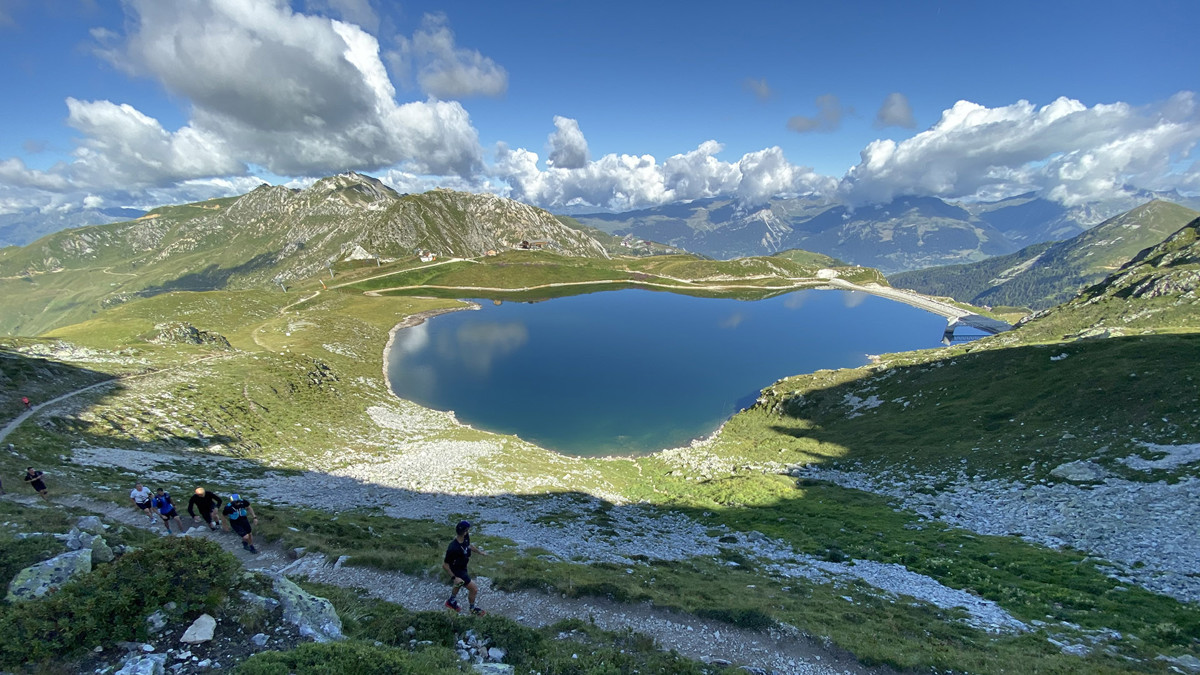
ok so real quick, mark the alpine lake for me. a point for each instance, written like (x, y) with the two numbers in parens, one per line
(636, 371)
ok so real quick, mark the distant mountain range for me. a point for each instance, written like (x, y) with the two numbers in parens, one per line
(270, 235)
(1046, 274)
(28, 225)
(906, 234)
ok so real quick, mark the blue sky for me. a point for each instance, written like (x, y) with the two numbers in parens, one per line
(637, 103)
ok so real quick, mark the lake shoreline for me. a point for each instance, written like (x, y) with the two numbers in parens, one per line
(416, 320)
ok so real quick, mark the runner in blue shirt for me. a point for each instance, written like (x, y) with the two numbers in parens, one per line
(241, 515)
(166, 510)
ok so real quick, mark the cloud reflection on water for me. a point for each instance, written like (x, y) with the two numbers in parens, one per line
(480, 343)
(851, 299)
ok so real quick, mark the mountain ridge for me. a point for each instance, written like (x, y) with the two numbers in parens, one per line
(1045, 274)
(268, 236)
(905, 234)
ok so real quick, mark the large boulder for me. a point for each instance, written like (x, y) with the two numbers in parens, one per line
(37, 580)
(314, 616)
(1080, 471)
(101, 551)
(91, 524)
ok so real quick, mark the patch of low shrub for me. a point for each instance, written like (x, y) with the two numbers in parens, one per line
(352, 656)
(111, 603)
(752, 619)
(17, 554)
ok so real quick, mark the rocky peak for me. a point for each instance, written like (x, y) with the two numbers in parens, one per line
(352, 188)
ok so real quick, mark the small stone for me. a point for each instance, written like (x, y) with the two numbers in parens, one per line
(201, 630)
(157, 621)
(496, 654)
(260, 640)
(147, 648)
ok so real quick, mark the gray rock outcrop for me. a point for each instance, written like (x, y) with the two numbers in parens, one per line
(314, 616)
(143, 664)
(178, 332)
(91, 525)
(1080, 471)
(494, 668)
(101, 551)
(38, 580)
(156, 622)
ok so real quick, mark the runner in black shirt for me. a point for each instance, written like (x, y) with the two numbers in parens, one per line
(458, 554)
(34, 478)
(208, 503)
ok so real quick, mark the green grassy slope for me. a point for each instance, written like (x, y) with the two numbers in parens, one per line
(1155, 292)
(519, 270)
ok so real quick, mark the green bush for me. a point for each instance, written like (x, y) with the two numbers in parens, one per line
(352, 656)
(752, 619)
(17, 554)
(111, 603)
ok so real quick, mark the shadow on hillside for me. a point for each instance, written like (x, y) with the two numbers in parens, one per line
(38, 379)
(994, 411)
(211, 278)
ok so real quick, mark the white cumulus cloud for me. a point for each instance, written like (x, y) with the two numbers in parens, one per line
(623, 182)
(568, 147)
(1067, 151)
(445, 70)
(266, 86)
(119, 141)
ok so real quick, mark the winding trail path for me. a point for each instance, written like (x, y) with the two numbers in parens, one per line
(784, 651)
(33, 409)
(16, 421)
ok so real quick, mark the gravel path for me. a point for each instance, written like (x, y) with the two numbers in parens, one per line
(781, 651)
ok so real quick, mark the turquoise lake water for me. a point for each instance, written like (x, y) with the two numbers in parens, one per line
(635, 371)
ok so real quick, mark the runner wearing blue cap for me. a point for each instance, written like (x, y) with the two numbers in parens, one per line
(241, 515)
